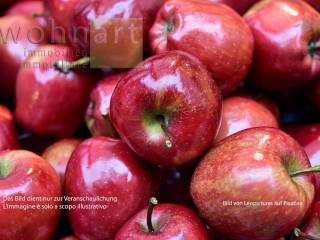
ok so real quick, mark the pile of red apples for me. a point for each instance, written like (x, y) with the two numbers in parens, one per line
(215, 135)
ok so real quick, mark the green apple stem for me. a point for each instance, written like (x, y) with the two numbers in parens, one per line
(152, 203)
(314, 169)
(5, 168)
(298, 233)
(65, 66)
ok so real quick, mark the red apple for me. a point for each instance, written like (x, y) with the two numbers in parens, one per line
(239, 113)
(309, 137)
(86, 12)
(8, 137)
(59, 153)
(167, 109)
(29, 196)
(315, 95)
(22, 35)
(51, 100)
(251, 185)
(105, 168)
(98, 112)
(32, 8)
(286, 52)
(213, 33)
(60, 17)
(163, 222)
(310, 229)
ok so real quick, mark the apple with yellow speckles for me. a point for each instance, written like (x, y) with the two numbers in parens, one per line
(253, 185)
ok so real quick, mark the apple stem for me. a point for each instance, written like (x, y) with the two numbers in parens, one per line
(314, 169)
(152, 203)
(298, 233)
(65, 66)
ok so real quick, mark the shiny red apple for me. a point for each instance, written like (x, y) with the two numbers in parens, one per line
(8, 136)
(310, 229)
(119, 185)
(309, 137)
(22, 35)
(98, 112)
(84, 13)
(253, 185)
(30, 194)
(239, 113)
(213, 33)
(51, 100)
(286, 53)
(167, 109)
(59, 153)
(163, 222)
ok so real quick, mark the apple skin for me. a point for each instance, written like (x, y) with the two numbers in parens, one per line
(167, 91)
(240, 6)
(213, 33)
(69, 238)
(282, 55)
(8, 136)
(98, 112)
(88, 11)
(60, 17)
(26, 174)
(28, 8)
(253, 166)
(59, 153)
(102, 166)
(314, 3)
(171, 221)
(311, 226)
(309, 138)
(43, 102)
(14, 52)
(239, 113)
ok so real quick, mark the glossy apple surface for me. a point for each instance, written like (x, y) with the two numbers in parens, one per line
(171, 221)
(311, 226)
(58, 155)
(98, 112)
(87, 12)
(213, 33)
(22, 36)
(309, 137)
(8, 136)
(104, 167)
(243, 189)
(153, 102)
(24, 174)
(239, 113)
(48, 101)
(286, 53)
